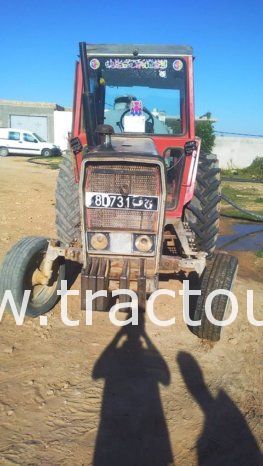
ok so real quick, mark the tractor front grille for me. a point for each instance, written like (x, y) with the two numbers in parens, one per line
(115, 177)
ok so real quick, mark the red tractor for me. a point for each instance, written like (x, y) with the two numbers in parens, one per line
(136, 196)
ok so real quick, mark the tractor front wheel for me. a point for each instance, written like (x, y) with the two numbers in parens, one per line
(17, 275)
(219, 274)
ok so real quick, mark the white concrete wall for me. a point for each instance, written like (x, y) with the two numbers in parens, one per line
(62, 126)
(237, 151)
(234, 151)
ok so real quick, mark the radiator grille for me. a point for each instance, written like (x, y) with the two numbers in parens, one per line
(112, 178)
(140, 180)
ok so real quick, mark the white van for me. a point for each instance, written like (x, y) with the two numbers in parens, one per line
(21, 141)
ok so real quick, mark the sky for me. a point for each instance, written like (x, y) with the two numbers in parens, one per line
(39, 46)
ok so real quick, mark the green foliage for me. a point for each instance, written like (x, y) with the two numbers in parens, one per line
(253, 171)
(244, 193)
(260, 253)
(205, 130)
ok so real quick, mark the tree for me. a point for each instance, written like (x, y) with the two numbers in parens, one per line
(205, 130)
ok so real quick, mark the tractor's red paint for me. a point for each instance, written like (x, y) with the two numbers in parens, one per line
(162, 143)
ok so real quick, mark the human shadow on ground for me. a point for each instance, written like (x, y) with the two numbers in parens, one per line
(226, 439)
(132, 429)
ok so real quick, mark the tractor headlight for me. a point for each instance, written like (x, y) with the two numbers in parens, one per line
(99, 241)
(144, 243)
(121, 243)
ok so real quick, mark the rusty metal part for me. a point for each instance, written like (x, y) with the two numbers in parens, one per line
(141, 287)
(194, 264)
(38, 278)
(73, 254)
(125, 281)
(103, 284)
(152, 283)
(43, 275)
(92, 278)
(84, 285)
(95, 278)
(176, 264)
(169, 236)
(183, 234)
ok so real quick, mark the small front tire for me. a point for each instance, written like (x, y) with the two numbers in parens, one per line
(219, 274)
(46, 152)
(4, 152)
(16, 274)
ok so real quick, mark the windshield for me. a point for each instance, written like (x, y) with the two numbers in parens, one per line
(39, 137)
(144, 95)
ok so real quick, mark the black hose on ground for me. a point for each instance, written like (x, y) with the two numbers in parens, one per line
(255, 217)
(241, 180)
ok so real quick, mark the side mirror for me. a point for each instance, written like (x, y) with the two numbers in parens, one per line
(189, 147)
(76, 145)
(36, 140)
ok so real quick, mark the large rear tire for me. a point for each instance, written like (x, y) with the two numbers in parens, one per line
(220, 273)
(16, 275)
(202, 212)
(67, 203)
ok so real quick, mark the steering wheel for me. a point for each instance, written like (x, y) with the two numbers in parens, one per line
(149, 124)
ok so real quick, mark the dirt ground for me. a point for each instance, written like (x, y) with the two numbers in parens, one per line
(96, 395)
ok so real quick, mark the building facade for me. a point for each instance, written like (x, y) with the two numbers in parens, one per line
(51, 121)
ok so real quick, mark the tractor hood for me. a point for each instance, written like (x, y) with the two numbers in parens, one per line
(134, 145)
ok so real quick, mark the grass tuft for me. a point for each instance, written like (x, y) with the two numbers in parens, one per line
(52, 162)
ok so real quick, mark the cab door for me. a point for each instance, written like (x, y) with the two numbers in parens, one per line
(14, 142)
(30, 144)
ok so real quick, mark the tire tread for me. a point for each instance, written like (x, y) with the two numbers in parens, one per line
(67, 203)
(203, 211)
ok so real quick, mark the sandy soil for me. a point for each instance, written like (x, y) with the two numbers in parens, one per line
(98, 396)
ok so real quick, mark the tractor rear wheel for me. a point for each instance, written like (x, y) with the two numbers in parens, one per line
(202, 212)
(67, 203)
(17, 275)
(219, 274)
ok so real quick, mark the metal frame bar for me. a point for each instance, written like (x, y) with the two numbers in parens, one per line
(87, 97)
(145, 55)
(138, 50)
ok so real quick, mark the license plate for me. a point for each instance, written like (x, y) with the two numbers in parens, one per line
(118, 201)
